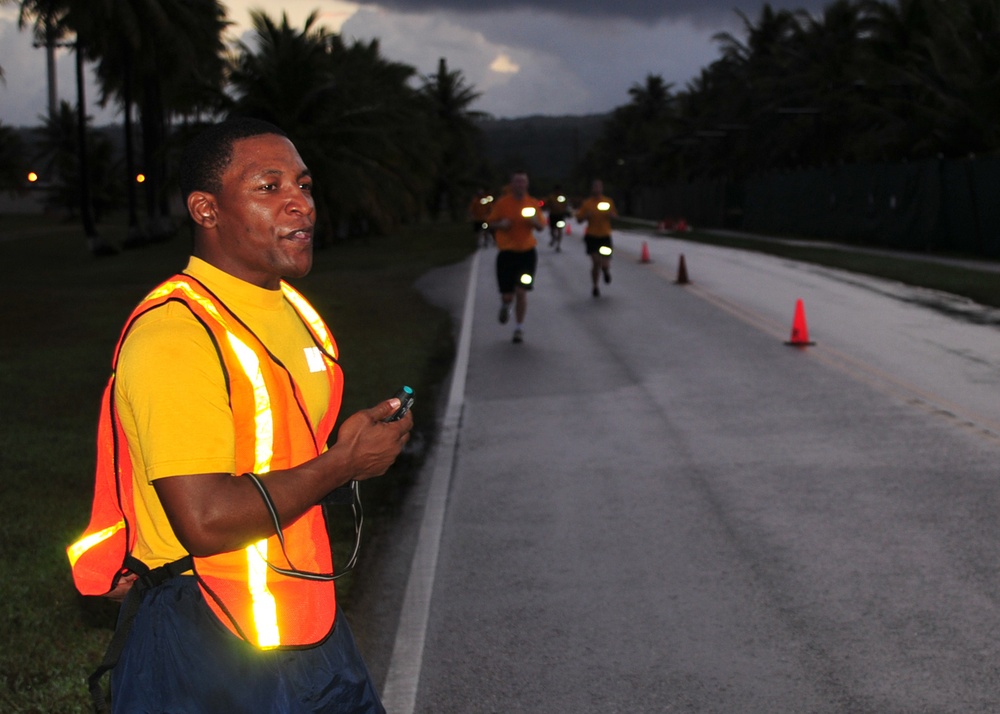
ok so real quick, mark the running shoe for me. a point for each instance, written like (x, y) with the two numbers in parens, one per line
(607, 275)
(596, 292)
(518, 336)
(504, 313)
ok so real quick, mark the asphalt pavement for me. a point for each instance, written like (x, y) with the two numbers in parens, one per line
(654, 504)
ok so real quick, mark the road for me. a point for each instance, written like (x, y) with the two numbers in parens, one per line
(656, 505)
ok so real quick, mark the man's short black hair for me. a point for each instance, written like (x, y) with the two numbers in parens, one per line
(209, 153)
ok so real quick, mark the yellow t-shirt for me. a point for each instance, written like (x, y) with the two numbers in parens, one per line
(172, 399)
(521, 234)
(597, 216)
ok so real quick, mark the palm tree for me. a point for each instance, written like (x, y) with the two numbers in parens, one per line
(897, 47)
(457, 135)
(764, 38)
(829, 52)
(58, 157)
(49, 29)
(46, 19)
(357, 123)
(628, 152)
(862, 81)
(652, 100)
(751, 82)
(97, 246)
(166, 57)
(956, 70)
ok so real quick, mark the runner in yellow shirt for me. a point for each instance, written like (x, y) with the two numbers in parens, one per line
(514, 219)
(596, 211)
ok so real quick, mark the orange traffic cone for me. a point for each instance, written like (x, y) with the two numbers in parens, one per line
(800, 331)
(682, 272)
(645, 253)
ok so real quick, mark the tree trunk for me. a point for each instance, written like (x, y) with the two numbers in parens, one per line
(50, 67)
(86, 211)
(97, 246)
(153, 142)
(136, 236)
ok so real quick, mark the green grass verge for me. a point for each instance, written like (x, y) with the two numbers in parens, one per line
(62, 313)
(982, 286)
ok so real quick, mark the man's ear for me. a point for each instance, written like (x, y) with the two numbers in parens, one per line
(201, 205)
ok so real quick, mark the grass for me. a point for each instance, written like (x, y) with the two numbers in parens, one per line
(981, 286)
(62, 313)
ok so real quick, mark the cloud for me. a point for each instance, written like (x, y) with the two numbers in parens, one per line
(540, 57)
(565, 65)
(695, 11)
(504, 65)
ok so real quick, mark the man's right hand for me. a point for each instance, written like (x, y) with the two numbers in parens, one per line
(214, 513)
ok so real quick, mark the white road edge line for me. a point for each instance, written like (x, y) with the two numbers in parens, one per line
(400, 691)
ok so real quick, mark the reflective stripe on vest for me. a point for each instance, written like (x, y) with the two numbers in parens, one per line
(76, 550)
(273, 610)
(265, 610)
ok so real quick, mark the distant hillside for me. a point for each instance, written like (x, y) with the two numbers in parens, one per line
(547, 147)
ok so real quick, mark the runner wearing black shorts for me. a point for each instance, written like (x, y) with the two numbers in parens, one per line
(595, 243)
(596, 211)
(516, 269)
(515, 217)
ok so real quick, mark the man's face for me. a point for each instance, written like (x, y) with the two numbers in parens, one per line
(519, 185)
(264, 213)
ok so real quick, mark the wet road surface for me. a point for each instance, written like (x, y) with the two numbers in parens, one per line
(653, 504)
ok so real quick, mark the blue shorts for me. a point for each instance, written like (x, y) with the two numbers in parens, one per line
(180, 658)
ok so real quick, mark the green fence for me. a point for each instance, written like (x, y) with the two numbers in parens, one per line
(933, 205)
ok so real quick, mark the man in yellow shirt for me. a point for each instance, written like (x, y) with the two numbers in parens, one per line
(514, 219)
(192, 420)
(596, 211)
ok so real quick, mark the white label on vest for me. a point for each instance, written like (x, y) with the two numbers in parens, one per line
(314, 358)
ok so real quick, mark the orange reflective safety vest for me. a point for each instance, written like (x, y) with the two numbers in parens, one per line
(262, 606)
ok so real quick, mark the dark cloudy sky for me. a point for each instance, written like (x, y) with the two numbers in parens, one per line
(549, 57)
